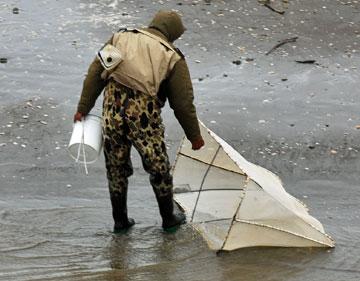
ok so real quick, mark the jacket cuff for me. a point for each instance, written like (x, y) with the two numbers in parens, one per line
(82, 109)
(194, 138)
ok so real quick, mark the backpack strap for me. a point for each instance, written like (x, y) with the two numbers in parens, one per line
(157, 38)
(123, 29)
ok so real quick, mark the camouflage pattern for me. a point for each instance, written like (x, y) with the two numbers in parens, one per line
(132, 118)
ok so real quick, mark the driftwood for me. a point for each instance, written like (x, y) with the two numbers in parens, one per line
(273, 9)
(290, 40)
(306, 61)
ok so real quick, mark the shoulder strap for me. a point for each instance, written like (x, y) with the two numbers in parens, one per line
(180, 53)
(157, 38)
(122, 29)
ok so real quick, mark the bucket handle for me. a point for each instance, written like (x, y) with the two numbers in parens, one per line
(82, 144)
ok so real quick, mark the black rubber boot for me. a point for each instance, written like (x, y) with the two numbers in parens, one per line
(171, 218)
(119, 211)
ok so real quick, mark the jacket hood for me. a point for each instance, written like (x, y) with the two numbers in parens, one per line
(168, 23)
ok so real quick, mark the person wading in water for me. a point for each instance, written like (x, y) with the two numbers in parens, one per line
(151, 70)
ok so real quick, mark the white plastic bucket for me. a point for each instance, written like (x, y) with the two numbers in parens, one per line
(86, 140)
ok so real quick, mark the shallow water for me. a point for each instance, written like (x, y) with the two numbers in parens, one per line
(55, 222)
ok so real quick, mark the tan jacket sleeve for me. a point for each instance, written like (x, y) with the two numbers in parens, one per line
(181, 99)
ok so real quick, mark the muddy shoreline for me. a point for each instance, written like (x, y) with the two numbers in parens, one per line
(298, 120)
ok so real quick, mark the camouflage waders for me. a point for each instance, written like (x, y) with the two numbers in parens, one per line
(133, 118)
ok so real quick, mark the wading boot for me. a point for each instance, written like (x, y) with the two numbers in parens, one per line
(171, 218)
(119, 211)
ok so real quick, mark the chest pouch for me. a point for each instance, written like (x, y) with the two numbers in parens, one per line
(110, 57)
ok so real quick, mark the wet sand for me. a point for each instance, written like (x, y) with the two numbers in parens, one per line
(297, 120)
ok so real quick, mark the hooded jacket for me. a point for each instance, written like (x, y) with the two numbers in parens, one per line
(177, 86)
(146, 60)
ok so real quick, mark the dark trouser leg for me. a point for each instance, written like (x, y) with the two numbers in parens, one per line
(118, 172)
(164, 197)
(119, 212)
(151, 146)
(117, 157)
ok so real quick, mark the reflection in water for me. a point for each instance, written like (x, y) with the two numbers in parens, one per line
(183, 256)
(156, 255)
(270, 263)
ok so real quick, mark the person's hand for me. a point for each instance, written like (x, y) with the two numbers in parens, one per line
(197, 143)
(78, 116)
